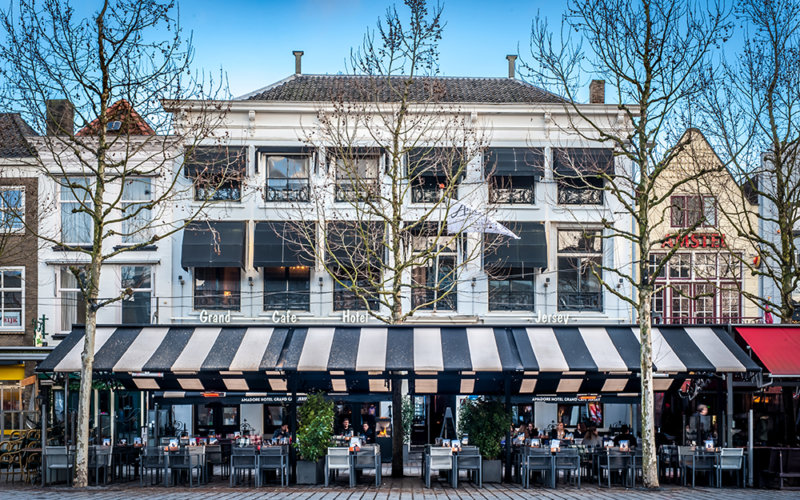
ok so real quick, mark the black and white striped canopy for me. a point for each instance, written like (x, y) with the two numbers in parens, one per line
(438, 359)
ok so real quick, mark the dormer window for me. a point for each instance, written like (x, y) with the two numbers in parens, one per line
(114, 126)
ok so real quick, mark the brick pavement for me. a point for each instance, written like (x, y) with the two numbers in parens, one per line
(391, 489)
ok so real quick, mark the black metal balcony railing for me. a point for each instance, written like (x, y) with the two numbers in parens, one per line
(510, 301)
(518, 195)
(425, 195)
(658, 319)
(356, 190)
(580, 301)
(297, 192)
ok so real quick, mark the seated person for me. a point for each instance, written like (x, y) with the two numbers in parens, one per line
(558, 432)
(625, 435)
(282, 432)
(347, 431)
(591, 439)
(523, 429)
(367, 434)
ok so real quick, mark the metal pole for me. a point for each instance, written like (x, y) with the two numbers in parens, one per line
(293, 430)
(750, 447)
(66, 411)
(508, 431)
(729, 409)
(45, 394)
(112, 415)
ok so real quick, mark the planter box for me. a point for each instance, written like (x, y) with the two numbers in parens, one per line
(310, 472)
(492, 471)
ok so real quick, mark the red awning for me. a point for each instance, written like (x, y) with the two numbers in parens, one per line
(777, 348)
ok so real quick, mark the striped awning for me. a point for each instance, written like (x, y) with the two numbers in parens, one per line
(437, 359)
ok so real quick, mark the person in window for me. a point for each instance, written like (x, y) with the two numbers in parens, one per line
(347, 431)
(367, 434)
(592, 439)
(558, 432)
(282, 432)
(625, 435)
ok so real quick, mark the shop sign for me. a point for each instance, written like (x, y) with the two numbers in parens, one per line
(272, 399)
(580, 398)
(695, 240)
(353, 317)
(550, 318)
(284, 317)
(12, 318)
(210, 317)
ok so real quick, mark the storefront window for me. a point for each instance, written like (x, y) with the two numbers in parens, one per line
(286, 288)
(360, 294)
(230, 415)
(217, 288)
(579, 259)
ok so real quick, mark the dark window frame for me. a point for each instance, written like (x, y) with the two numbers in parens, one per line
(512, 300)
(287, 298)
(581, 258)
(345, 189)
(345, 299)
(502, 189)
(680, 212)
(206, 299)
(302, 194)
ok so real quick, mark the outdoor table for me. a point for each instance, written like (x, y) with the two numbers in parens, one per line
(628, 456)
(453, 457)
(168, 455)
(123, 457)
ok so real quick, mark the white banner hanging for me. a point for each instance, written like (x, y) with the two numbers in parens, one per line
(464, 219)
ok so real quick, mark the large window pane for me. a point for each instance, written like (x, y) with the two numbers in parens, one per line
(217, 288)
(287, 178)
(11, 313)
(136, 218)
(511, 291)
(12, 210)
(356, 178)
(579, 260)
(71, 301)
(287, 288)
(76, 227)
(136, 308)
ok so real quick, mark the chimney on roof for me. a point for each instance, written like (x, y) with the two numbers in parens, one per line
(597, 92)
(60, 117)
(298, 54)
(511, 65)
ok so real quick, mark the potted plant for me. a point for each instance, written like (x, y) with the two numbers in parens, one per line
(314, 431)
(408, 419)
(485, 421)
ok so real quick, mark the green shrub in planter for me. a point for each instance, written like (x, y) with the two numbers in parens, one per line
(485, 422)
(315, 427)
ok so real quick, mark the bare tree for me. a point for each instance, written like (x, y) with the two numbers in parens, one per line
(649, 51)
(750, 111)
(396, 153)
(117, 171)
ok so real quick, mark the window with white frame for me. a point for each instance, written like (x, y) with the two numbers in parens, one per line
(12, 209)
(288, 177)
(580, 255)
(433, 286)
(76, 223)
(12, 302)
(71, 302)
(137, 303)
(136, 195)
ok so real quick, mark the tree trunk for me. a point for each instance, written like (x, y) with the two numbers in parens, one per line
(397, 428)
(648, 441)
(84, 405)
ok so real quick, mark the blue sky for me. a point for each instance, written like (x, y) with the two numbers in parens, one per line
(253, 40)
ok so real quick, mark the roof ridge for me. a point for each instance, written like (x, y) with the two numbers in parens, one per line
(271, 86)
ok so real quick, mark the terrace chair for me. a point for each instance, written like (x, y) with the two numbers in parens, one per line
(730, 459)
(273, 458)
(243, 459)
(469, 459)
(100, 460)
(701, 462)
(214, 457)
(637, 465)
(685, 457)
(614, 461)
(438, 459)
(10, 464)
(536, 460)
(189, 459)
(568, 460)
(668, 462)
(153, 460)
(369, 457)
(59, 458)
(338, 458)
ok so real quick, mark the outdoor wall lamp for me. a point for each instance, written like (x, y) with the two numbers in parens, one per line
(320, 281)
(546, 282)
(180, 278)
(250, 280)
